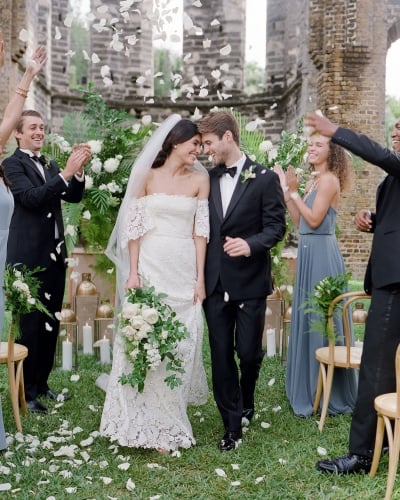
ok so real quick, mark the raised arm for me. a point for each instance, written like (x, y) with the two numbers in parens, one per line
(15, 106)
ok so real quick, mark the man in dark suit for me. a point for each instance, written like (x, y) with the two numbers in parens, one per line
(247, 218)
(382, 281)
(36, 238)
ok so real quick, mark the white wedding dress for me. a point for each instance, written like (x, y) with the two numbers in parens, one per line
(157, 417)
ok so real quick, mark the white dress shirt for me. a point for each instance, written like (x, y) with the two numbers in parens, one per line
(227, 184)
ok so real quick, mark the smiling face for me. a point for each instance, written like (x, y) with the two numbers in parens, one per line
(189, 150)
(31, 135)
(318, 149)
(215, 147)
(396, 137)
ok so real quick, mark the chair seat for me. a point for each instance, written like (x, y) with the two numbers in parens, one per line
(340, 356)
(385, 404)
(20, 352)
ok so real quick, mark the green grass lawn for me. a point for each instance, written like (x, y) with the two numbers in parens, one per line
(60, 455)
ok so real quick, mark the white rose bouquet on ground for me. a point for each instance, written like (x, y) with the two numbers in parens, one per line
(150, 332)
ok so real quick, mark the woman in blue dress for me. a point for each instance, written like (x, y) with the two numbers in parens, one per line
(318, 256)
(11, 115)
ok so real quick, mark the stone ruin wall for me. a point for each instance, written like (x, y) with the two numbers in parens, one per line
(321, 54)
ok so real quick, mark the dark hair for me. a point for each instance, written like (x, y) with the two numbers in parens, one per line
(183, 131)
(3, 176)
(218, 122)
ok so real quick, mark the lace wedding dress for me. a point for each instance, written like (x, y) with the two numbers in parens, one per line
(157, 417)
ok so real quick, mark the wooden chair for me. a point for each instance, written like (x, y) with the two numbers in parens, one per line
(13, 355)
(336, 356)
(387, 407)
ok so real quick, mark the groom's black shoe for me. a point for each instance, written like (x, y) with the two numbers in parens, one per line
(247, 415)
(230, 440)
(346, 464)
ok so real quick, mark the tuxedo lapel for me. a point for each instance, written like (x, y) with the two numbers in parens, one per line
(216, 195)
(29, 163)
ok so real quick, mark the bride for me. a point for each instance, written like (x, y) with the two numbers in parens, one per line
(160, 240)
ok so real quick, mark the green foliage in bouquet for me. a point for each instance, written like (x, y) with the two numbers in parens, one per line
(324, 292)
(115, 140)
(21, 289)
(150, 332)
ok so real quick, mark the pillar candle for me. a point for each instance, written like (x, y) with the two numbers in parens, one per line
(271, 345)
(67, 355)
(87, 339)
(105, 350)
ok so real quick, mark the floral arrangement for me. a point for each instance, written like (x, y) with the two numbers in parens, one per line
(115, 140)
(21, 289)
(324, 292)
(150, 332)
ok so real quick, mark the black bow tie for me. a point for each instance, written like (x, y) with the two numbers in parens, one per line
(223, 169)
(42, 160)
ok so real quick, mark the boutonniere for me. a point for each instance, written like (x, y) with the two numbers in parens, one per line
(248, 173)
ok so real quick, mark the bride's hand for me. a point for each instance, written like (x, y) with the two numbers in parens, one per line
(133, 281)
(199, 292)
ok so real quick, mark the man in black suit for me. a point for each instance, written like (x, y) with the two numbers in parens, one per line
(247, 218)
(36, 238)
(382, 281)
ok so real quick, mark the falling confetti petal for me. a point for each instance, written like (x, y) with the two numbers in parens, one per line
(57, 35)
(225, 51)
(23, 35)
(215, 22)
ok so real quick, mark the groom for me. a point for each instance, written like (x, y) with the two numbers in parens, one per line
(247, 218)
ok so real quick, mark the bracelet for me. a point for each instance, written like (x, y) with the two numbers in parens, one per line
(21, 92)
(295, 195)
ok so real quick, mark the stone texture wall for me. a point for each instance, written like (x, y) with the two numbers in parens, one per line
(326, 54)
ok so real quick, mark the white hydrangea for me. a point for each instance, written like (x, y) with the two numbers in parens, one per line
(95, 165)
(95, 146)
(88, 182)
(111, 165)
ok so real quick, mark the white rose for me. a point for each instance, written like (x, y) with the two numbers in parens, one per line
(129, 310)
(111, 165)
(95, 146)
(265, 146)
(137, 322)
(88, 182)
(150, 315)
(129, 332)
(95, 165)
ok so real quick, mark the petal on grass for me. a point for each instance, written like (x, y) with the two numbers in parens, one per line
(271, 382)
(259, 479)
(130, 485)
(106, 480)
(265, 425)
(74, 378)
(321, 451)
(235, 466)
(5, 487)
(124, 466)
(220, 472)
(235, 483)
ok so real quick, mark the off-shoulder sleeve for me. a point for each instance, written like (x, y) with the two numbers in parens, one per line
(201, 220)
(137, 221)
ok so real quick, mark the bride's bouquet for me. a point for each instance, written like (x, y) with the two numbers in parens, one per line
(150, 332)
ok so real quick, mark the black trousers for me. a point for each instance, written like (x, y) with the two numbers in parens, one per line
(39, 332)
(234, 326)
(377, 370)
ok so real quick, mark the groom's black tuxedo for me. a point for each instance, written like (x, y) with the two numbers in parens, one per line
(32, 241)
(238, 286)
(382, 281)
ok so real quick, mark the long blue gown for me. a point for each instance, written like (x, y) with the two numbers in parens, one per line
(6, 211)
(318, 256)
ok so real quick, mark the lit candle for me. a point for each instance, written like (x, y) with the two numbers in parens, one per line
(271, 345)
(105, 350)
(87, 339)
(67, 355)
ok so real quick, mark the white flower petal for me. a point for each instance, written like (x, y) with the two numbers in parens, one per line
(271, 382)
(225, 51)
(282, 461)
(321, 451)
(106, 480)
(124, 466)
(276, 409)
(57, 35)
(48, 327)
(235, 483)
(74, 378)
(23, 35)
(130, 485)
(5, 487)
(86, 442)
(265, 425)
(220, 472)
(259, 479)
(235, 466)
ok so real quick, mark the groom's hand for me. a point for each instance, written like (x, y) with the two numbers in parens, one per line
(236, 247)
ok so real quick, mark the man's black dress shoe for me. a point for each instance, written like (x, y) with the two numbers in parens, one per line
(35, 407)
(230, 440)
(55, 396)
(346, 464)
(247, 415)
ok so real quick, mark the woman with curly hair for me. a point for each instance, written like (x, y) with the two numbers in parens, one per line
(318, 256)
